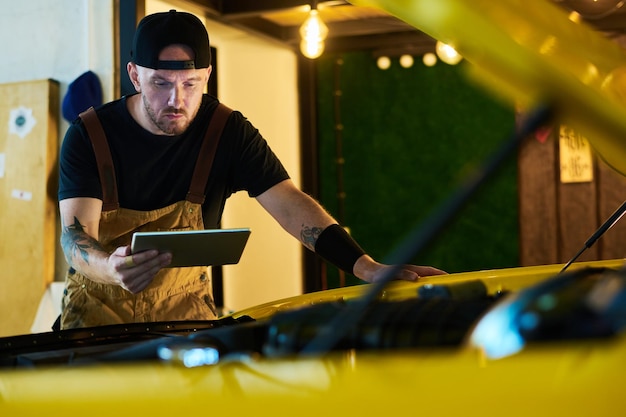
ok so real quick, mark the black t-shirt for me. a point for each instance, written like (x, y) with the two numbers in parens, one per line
(154, 171)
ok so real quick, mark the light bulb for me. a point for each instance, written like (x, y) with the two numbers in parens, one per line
(311, 49)
(447, 53)
(429, 59)
(313, 32)
(383, 62)
(406, 61)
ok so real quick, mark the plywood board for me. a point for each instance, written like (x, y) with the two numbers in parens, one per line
(28, 159)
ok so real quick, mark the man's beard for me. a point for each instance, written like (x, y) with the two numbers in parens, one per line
(169, 128)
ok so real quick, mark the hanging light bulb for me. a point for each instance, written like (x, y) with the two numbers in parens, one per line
(447, 53)
(313, 32)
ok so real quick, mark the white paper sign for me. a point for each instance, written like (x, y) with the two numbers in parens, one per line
(22, 195)
(21, 121)
(2, 162)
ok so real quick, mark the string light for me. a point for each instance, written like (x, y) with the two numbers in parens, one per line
(447, 53)
(429, 59)
(406, 61)
(383, 62)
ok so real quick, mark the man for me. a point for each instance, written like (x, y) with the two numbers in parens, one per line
(141, 163)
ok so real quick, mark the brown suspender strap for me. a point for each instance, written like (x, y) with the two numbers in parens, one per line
(207, 154)
(106, 170)
(201, 171)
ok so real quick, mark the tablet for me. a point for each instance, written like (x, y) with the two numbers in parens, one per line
(211, 247)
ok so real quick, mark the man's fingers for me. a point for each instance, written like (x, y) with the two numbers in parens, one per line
(128, 261)
(145, 266)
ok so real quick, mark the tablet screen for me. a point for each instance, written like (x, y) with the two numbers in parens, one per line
(195, 247)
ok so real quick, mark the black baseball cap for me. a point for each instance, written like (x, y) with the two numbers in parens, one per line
(156, 31)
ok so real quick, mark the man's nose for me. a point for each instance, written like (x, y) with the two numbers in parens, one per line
(176, 97)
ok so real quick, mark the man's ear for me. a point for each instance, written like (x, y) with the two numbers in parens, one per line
(133, 74)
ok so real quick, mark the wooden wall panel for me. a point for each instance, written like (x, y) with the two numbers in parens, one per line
(537, 186)
(578, 219)
(611, 195)
(557, 218)
(28, 159)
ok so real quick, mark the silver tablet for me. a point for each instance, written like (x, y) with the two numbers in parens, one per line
(195, 247)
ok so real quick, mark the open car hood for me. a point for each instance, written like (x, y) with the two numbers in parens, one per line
(531, 53)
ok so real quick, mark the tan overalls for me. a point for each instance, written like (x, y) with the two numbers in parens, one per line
(175, 293)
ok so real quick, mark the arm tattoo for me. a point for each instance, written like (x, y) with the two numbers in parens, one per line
(75, 241)
(309, 235)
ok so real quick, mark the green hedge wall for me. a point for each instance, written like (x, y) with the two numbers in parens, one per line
(409, 137)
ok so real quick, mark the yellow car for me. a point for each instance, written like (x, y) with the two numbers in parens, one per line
(544, 340)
